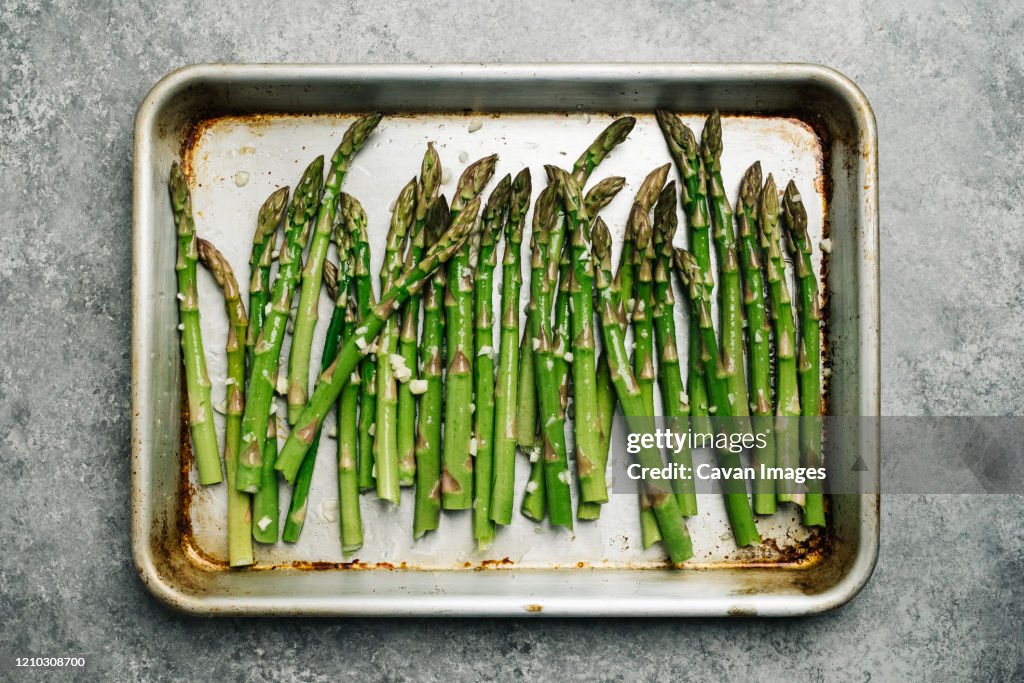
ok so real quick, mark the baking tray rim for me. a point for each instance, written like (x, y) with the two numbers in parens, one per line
(839, 593)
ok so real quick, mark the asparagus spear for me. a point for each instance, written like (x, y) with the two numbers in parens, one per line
(385, 436)
(266, 500)
(335, 331)
(693, 195)
(426, 194)
(312, 274)
(809, 358)
(457, 469)
(197, 382)
(590, 465)
(787, 397)
(643, 345)
(544, 216)
(239, 538)
(605, 412)
(741, 519)
(428, 438)
(264, 241)
(596, 199)
(758, 336)
(626, 291)
(263, 374)
(643, 327)
(731, 299)
(556, 468)
(355, 219)
(663, 504)
(526, 397)
(624, 288)
(610, 138)
(334, 378)
(494, 218)
(506, 391)
(674, 401)
(351, 526)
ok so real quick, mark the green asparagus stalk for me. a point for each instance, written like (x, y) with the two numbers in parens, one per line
(625, 276)
(351, 522)
(506, 390)
(787, 395)
(312, 275)
(263, 374)
(526, 398)
(596, 199)
(457, 469)
(239, 538)
(643, 346)
(426, 194)
(560, 329)
(335, 330)
(758, 337)
(348, 479)
(741, 519)
(556, 467)
(385, 436)
(730, 294)
(627, 293)
(534, 503)
(428, 437)
(264, 242)
(261, 259)
(693, 195)
(675, 404)
(643, 326)
(809, 358)
(605, 412)
(610, 138)
(355, 219)
(334, 378)
(494, 219)
(266, 501)
(663, 504)
(590, 466)
(197, 381)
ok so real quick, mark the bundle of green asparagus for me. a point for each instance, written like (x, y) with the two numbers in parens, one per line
(420, 399)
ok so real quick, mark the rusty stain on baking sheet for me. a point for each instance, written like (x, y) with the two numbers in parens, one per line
(788, 553)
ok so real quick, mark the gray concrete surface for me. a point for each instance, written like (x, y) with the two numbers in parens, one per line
(946, 81)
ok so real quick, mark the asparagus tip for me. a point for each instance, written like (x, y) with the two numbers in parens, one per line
(794, 211)
(770, 197)
(750, 184)
(711, 136)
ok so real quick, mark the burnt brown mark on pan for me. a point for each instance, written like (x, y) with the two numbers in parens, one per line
(188, 545)
(178, 541)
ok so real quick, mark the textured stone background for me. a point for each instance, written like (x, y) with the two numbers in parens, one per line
(946, 83)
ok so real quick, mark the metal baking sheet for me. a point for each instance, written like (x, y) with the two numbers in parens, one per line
(266, 122)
